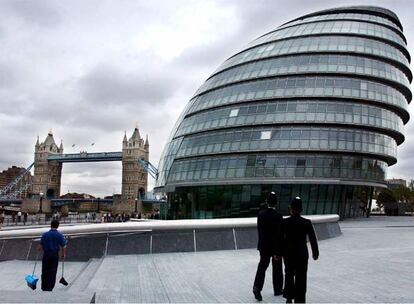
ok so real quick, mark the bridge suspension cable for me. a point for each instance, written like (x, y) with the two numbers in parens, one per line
(6, 191)
(150, 168)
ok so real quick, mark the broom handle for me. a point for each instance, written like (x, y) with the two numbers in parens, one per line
(63, 265)
(34, 268)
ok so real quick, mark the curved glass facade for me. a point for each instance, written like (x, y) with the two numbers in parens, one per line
(359, 27)
(293, 112)
(323, 44)
(310, 64)
(315, 108)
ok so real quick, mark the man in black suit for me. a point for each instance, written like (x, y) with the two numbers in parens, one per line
(268, 226)
(295, 229)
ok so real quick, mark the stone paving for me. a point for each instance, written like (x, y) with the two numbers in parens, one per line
(372, 261)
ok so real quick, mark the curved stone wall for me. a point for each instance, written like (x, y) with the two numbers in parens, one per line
(145, 237)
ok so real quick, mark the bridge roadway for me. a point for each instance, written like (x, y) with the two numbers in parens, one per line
(86, 157)
(371, 262)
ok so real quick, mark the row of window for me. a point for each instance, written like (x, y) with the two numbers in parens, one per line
(289, 166)
(166, 160)
(291, 112)
(286, 138)
(339, 16)
(140, 177)
(335, 27)
(300, 87)
(358, 45)
(306, 64)
(244, 200)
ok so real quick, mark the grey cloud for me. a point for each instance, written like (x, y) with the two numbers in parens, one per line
(207, 56)
(258, 18)
(108, 85)
(7, 76)
(42, 13)
(88, 88)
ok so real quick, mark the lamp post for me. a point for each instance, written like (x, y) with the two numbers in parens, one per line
(136, 205)
(40, 200)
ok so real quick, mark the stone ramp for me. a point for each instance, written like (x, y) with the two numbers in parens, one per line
(12, 274)
(85, 276)
(362, 266)
(371, 265)
(128, 278)
(36, 296)
(15, 290)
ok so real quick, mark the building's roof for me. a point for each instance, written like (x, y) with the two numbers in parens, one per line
(136, 134)
(49, 141)
(374, 10)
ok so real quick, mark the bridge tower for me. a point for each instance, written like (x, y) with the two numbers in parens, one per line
(134, 177)
(47, 174)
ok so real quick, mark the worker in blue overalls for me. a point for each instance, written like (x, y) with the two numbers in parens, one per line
(52, 242)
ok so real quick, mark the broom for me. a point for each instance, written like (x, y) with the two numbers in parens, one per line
(62, 279)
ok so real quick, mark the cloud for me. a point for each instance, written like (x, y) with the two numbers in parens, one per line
(107, 85)
(40, 13)
(7, 77)
(92, 69)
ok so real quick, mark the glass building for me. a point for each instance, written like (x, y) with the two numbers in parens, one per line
(315, 108)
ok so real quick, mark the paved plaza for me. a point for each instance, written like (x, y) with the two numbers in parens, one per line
(372, 261)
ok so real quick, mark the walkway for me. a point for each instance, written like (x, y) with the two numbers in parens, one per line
(370, 262)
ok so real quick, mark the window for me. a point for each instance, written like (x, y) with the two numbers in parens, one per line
(300, 163)
(234, 113)
(266, 135)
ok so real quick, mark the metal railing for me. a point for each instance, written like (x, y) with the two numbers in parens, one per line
(150, 168)
(13, 183)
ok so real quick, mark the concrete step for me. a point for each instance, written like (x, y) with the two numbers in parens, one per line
(85, 276)
(38, 296)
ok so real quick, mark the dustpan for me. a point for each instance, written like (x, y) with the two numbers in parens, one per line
(31, 279)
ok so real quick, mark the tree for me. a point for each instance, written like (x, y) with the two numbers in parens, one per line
(403, 194)
(386, 198)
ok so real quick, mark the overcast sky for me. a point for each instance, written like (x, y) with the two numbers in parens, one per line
(90, 70)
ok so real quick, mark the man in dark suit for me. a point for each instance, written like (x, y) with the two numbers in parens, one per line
(268, 226)
(295, 229)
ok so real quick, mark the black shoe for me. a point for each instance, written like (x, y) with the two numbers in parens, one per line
(257, 294)
(288, 300)
(278, 293)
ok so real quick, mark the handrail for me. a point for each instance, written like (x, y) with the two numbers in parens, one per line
(155, 225)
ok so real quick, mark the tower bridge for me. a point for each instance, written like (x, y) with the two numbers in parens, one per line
(48, 163)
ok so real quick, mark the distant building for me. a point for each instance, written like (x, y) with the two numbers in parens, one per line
(82, 202)
(75, 195)
(395, 183)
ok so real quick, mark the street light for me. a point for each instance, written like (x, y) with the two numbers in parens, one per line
(41, 199)
(136, 205)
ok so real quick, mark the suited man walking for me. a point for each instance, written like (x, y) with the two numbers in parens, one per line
(295, 229)
(268, 226)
